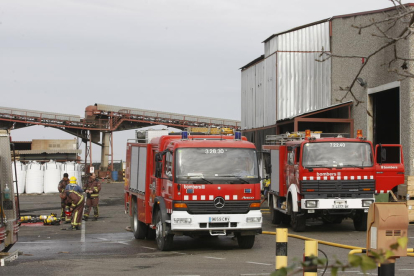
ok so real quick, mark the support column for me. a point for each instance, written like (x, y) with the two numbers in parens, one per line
(105, 150)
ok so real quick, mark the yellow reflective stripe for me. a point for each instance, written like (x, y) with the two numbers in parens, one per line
(75, 217)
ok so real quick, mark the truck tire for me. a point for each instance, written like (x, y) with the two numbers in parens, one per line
(138, 227)
(246, 242)
(360, 221)
(274, 214)
(164, 242)
(297, 220)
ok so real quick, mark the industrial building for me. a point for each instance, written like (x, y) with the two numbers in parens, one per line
(288, 88)
(44, 150)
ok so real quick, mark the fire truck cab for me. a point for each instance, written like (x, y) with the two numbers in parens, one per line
(193, 185)
(330, 178)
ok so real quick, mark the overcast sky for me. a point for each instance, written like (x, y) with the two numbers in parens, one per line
(174, 56)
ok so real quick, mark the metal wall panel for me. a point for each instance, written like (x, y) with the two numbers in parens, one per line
(142, 169)
(270, 91)
(311, 38)
(259, 95)
(291, 81)
(248, 97)
(271, 46)
(303, 84)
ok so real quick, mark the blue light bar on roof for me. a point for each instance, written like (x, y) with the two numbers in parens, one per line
(184, 135)
(237, 135)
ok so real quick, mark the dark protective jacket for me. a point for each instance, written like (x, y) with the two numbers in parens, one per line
(73, 199)
(62, 184)
(95, 186)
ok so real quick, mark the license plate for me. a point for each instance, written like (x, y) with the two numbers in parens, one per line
(219, 219)
(340, 204)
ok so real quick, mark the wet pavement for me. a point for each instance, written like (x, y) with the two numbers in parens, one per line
(104, 247)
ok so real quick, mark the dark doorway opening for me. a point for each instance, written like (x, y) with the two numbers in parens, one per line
(386, 107)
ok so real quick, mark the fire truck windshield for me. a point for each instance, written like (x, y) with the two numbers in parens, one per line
(215, 165)
(337, 154)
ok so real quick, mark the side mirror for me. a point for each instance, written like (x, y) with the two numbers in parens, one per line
(383, 155)
(158, 169)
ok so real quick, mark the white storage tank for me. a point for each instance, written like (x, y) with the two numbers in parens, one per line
(52, 176)
(34, 178)
(72, 169)
(21, 176)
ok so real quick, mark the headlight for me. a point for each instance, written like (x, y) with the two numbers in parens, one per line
(311, 203)
(182, 220)
(367, 203)
(253, 219)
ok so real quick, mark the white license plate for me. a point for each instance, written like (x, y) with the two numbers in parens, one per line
(340, 204)
(219, 219)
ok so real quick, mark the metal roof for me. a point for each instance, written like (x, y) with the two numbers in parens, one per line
(50, 151)
(334, 17)
(252, 62)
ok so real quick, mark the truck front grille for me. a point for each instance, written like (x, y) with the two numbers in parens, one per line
(342, 189)
(207, 207)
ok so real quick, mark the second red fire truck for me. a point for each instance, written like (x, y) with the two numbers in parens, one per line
(193, 185)
(330, 178)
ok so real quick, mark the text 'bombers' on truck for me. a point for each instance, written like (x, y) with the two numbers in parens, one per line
(330, 178)
(193, 185)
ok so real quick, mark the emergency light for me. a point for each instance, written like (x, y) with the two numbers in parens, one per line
(237, 135)
(184, 135)
(359, 133)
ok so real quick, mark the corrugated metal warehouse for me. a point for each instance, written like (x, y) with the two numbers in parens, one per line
(287, 89)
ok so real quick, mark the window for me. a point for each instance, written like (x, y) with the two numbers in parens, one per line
(168, 164)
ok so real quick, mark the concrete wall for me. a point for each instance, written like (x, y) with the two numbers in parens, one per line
(345, 40)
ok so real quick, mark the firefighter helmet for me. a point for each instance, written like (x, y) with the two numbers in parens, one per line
(73, 180)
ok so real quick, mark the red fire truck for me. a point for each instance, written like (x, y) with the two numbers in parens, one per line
(330, 178)
(193, 185)
(9, 211)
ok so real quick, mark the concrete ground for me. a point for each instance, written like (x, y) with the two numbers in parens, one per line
(104, 247)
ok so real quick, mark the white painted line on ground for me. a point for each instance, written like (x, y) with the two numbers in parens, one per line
(178, 252)
(121, 242)
(37, 242)
(102, 239)
(148, 247)
(258, 263)
(254, 274)
(215, 258)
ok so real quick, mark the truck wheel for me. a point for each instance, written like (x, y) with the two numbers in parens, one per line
(275, 214)
(245, 242)
(297, 220)
(138, 227)
(150, 234)
(360, 221)
(164, 241)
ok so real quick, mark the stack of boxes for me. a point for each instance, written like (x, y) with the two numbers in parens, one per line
(406, 193)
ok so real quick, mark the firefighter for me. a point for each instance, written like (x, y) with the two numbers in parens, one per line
(92, 189)
(266, 189)
(61, 188)
(76, 202)
(73, 185)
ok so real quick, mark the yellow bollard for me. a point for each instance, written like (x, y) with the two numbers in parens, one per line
(281, 247)
(311, 252)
